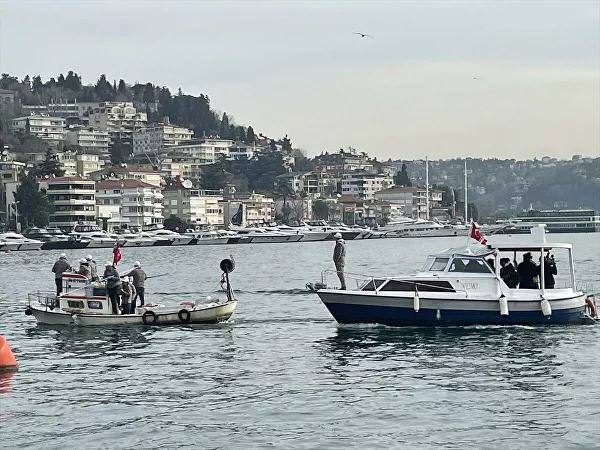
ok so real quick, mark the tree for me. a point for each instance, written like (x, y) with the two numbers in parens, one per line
(103, 89)
(37, 85)
(402, 178)
(119, 152)
(298, 210)
(61, 81)
(320, 210)
(175, 223)
(50, 166)
(224, 127)
(73, 82)
(149, 96)
(250, 137)
(286, 144)
(34, 207)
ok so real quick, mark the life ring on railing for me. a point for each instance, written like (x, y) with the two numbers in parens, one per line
(149, 318)
(591, 302)
(184, 315)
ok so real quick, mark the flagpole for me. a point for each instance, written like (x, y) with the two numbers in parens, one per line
(466, 201)
(427, 187)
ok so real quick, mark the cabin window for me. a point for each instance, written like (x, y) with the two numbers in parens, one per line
(75, 304)
(469, 265)
(439, 264)
(94, 304)
(427, 264)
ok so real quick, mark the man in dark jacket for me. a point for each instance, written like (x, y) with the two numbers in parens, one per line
(113, 285)
(549, 271)
(339, 258)
(528, 270)
(508, 273)
(60, 266)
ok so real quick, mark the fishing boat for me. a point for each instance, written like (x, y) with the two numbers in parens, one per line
(463, 286)
(86, 303)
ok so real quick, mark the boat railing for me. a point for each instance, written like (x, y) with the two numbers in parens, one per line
(48, 299)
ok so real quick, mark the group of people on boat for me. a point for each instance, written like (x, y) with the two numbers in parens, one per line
(527, 273)
(122, 290)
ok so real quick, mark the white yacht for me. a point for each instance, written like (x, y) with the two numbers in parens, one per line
(97, 237)
(320, 225)
(262, 236)
(307, 234)
(132, 237)
(14, 241)
(176, 239)
(212, 237)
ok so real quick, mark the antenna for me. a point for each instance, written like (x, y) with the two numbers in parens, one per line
(187, 184)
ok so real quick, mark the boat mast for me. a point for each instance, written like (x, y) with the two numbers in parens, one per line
(427, 188)
(466, 202)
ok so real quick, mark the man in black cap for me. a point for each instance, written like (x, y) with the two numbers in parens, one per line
(528, 270)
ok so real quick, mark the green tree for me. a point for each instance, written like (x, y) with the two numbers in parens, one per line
(149, 96)
(34, 207)
(402, 178)
(103, 89)
(175, 223)
(119, 152)
(473, 213)
(250, 137)
(320, 210)
(286, 144)
(73, 82)
(49, 167)
(224, 127)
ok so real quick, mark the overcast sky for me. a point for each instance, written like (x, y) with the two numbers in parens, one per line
(445, 79)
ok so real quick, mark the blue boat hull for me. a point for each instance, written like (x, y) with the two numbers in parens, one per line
(399, 316)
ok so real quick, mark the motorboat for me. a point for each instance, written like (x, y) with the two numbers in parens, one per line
(133, 237)
(54, 239)
(10, 241)
(212, 237)
(320, 225)
(307, 234)
(86, 303)
(176, 239)
(97, 237)
(257, 235)
(463, 286)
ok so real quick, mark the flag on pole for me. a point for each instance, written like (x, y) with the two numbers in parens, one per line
(117, 254)
(476, 234)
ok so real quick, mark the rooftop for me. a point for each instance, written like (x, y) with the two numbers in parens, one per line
(67, 179)
(129, 168)
(127, 183)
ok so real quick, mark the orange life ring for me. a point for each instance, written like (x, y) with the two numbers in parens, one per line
(591, 302)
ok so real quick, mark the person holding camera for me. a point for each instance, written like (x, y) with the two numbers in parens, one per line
(549, 271)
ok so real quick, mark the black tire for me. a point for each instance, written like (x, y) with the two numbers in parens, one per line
(184, 315)
(149, 318)
(227, 265)
(28, 312)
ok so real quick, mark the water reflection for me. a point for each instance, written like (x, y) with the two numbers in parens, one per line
(6, 382)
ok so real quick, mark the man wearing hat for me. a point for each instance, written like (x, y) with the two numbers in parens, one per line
(528, 270)
(113, 285)
(339, 258)
(139, 278)
(59, 267)
(84, 269)
(92, 266)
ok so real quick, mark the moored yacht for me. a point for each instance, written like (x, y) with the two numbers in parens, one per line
(97, 237)
(54, 239)
(212, 237)
(176, 239)
(10, 241)
(256, 235)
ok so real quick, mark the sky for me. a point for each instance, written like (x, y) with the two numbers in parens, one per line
(447, 79)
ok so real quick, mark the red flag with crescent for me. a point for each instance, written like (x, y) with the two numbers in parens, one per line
(476, 234)
(117, 254)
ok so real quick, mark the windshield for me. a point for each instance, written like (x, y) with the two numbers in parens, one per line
(439, 264)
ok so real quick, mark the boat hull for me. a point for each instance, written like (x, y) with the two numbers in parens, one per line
(64, 245)
(50, 317)
(394, 311)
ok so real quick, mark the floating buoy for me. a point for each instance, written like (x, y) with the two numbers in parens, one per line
(503, 306)
(8, 363)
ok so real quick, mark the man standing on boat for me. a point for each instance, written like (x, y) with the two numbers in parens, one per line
(508, 273)
(528, 270)
(339, 258)
(60, 266)
(139, 279)
(113, 285)
(92, 266)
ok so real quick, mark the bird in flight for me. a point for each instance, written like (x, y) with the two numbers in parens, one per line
(362, 34)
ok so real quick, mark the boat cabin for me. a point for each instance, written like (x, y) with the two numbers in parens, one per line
(81, 296)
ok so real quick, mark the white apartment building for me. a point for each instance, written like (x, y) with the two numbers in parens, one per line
(89, 140)
(74, 201)
(364, 184)
(125, 171)
(42, 127)
(87, 163)
(411, 201)
(71, 109)
(314, 184)
(10, 172)
(119, 119)
(198, 207)
(257, 208)
(128, 202)
(68, 163)
(158, 138)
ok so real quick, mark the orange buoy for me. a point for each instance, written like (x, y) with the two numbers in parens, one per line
(8, 363)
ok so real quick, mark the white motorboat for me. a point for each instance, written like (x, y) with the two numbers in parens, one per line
(176, 239)
(97, 237)
(320, 225)
(212, 237)
(465, 287)
(262, 236)
(132, 237)
(10, 241)
(308, 234)
(87, 304)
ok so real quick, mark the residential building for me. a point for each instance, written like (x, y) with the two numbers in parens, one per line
(157, 138)
(67, 109)
(74, 201)
(198, 207)
(10, 172)
(256, 208)
(128, 202)
(35, 110)
(240, 151)
(87, 163)
(337, 164)
(314, 184)
(119, 119)
(124, 171)
(43, 127)
(206, 151)
(68, 163)
(89, 140)
(411, 201)
(364, 184)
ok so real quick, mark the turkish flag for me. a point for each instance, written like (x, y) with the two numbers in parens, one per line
(476, 234)
(117, 254)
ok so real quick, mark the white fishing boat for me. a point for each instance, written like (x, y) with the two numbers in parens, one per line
(97, 237)
(464, 287)
(10, 241)
(86, 303)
